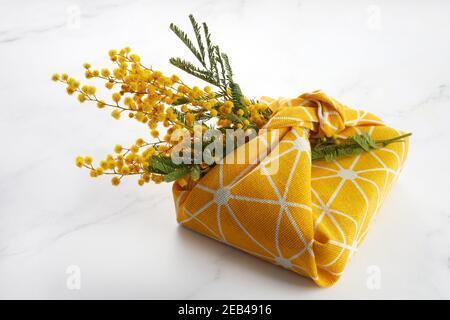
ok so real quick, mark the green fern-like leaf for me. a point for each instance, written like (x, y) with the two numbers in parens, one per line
(217, 72)
(185, 39)
(177, 173)
(331, 149)
(219, 61)
(180, 101)
(164, 166)
(237, 97)
(228, 70)
(198, 36)
(211, 52)
(188, 67)
(161, 164)
(181, 117)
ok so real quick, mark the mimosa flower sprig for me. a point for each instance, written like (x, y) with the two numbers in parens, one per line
(149, 97)
(156, 100)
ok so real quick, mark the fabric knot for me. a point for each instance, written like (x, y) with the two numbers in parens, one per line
(314, 111)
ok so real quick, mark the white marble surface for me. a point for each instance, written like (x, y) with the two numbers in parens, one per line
(391, 58)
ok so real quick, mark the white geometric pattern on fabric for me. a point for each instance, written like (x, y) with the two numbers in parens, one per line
(222, 195)
(326, 203)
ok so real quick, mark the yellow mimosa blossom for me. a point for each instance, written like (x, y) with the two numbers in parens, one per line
(115, 181)
(155, 133)
(79, 161)
(88, 160)
(115, 114)
(116, 97)
(118, 148)
(150, 97)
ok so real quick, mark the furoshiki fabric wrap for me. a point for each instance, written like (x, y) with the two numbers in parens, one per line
(309, 217)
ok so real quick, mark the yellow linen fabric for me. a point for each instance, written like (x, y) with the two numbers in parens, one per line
(309, 217)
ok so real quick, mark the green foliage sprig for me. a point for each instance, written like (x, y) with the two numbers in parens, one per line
(163, 165)
(215, 67)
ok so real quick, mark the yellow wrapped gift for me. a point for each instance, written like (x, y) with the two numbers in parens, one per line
(308, 216)
(314, 173)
